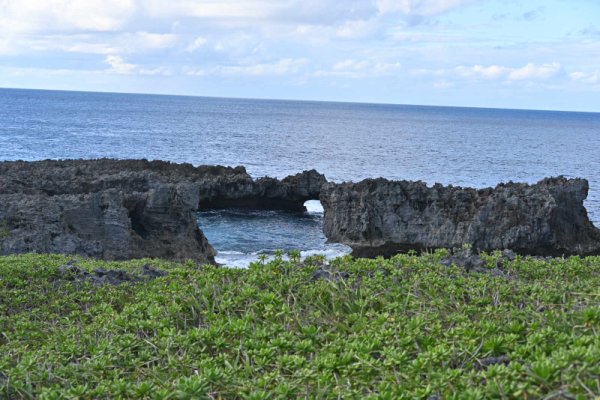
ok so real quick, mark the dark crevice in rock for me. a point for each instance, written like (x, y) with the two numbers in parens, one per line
(263, 194)
(135, 214)
(253, 203)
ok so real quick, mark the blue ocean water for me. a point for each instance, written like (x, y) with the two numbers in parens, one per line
(345, 141)
(242, 236)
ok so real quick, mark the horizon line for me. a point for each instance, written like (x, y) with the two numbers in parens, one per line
(301, 100)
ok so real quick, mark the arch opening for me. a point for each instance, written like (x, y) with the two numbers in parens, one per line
(242, 236)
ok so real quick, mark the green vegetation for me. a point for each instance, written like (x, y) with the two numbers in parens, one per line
(407, 327)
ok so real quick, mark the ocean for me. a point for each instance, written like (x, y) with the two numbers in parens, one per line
(473, 147)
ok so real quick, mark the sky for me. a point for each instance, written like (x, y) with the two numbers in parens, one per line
(533, 54)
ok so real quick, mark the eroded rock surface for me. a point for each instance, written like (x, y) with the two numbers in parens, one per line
(218, 186)
(241, 191)
(109, 224)
(101, 276)
(382, 217)
(124, 209)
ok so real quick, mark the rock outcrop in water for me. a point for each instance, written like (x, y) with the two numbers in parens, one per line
(382, 217)
(123, 209)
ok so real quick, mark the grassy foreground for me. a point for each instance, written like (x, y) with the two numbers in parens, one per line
(407, 327)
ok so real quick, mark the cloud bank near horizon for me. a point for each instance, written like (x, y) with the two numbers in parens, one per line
(495, 53)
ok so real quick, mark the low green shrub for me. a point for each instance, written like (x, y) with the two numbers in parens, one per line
(402, 328)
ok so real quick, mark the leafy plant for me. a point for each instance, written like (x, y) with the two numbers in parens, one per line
(400, 328)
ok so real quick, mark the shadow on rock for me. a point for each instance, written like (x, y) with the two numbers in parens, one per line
(484, 363)
(102, 276)
(471, 262)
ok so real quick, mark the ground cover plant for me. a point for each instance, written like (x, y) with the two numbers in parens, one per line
(407, 327)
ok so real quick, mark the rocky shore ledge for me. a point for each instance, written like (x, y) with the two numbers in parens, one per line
(124, 209)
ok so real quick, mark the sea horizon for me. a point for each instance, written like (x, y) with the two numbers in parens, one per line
(328, 101)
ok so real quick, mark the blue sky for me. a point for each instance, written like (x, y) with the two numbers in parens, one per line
(483, 53)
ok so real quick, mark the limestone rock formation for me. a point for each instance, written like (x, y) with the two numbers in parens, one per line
(108, 224)
(123, 209)
(382, 217)
(264, 193)
(218, 186)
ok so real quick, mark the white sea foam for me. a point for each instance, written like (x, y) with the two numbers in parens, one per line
(331, 252)
(235, 259)
(313, 207)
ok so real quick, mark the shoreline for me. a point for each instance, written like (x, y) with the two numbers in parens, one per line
(125, 209)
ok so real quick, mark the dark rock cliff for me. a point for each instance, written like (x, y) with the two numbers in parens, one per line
(381, 217)
(218, 187)
(122, 209)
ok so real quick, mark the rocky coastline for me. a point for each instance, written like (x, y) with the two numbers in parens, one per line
(124, 209)
(382, 217)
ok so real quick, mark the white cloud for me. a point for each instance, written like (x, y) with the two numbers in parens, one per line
(419, 7)
(350, 65)
(239, 44)
(212, 8)
(118, 65)
(429, 72)
(285, 66)
(5, 46)
(45, 72)
(155, 71)
(489, 72)
(282, 67)
(358, 43)
(153, 40)
(528, 72)
(385, 68)
(350, 68)
(586, 77)
(246, 12)
(443, 85)
(124, 43)
(82, 47)
(532, 71)
(415, 37)
(64, 15)
(355, 29)
(196, 44)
